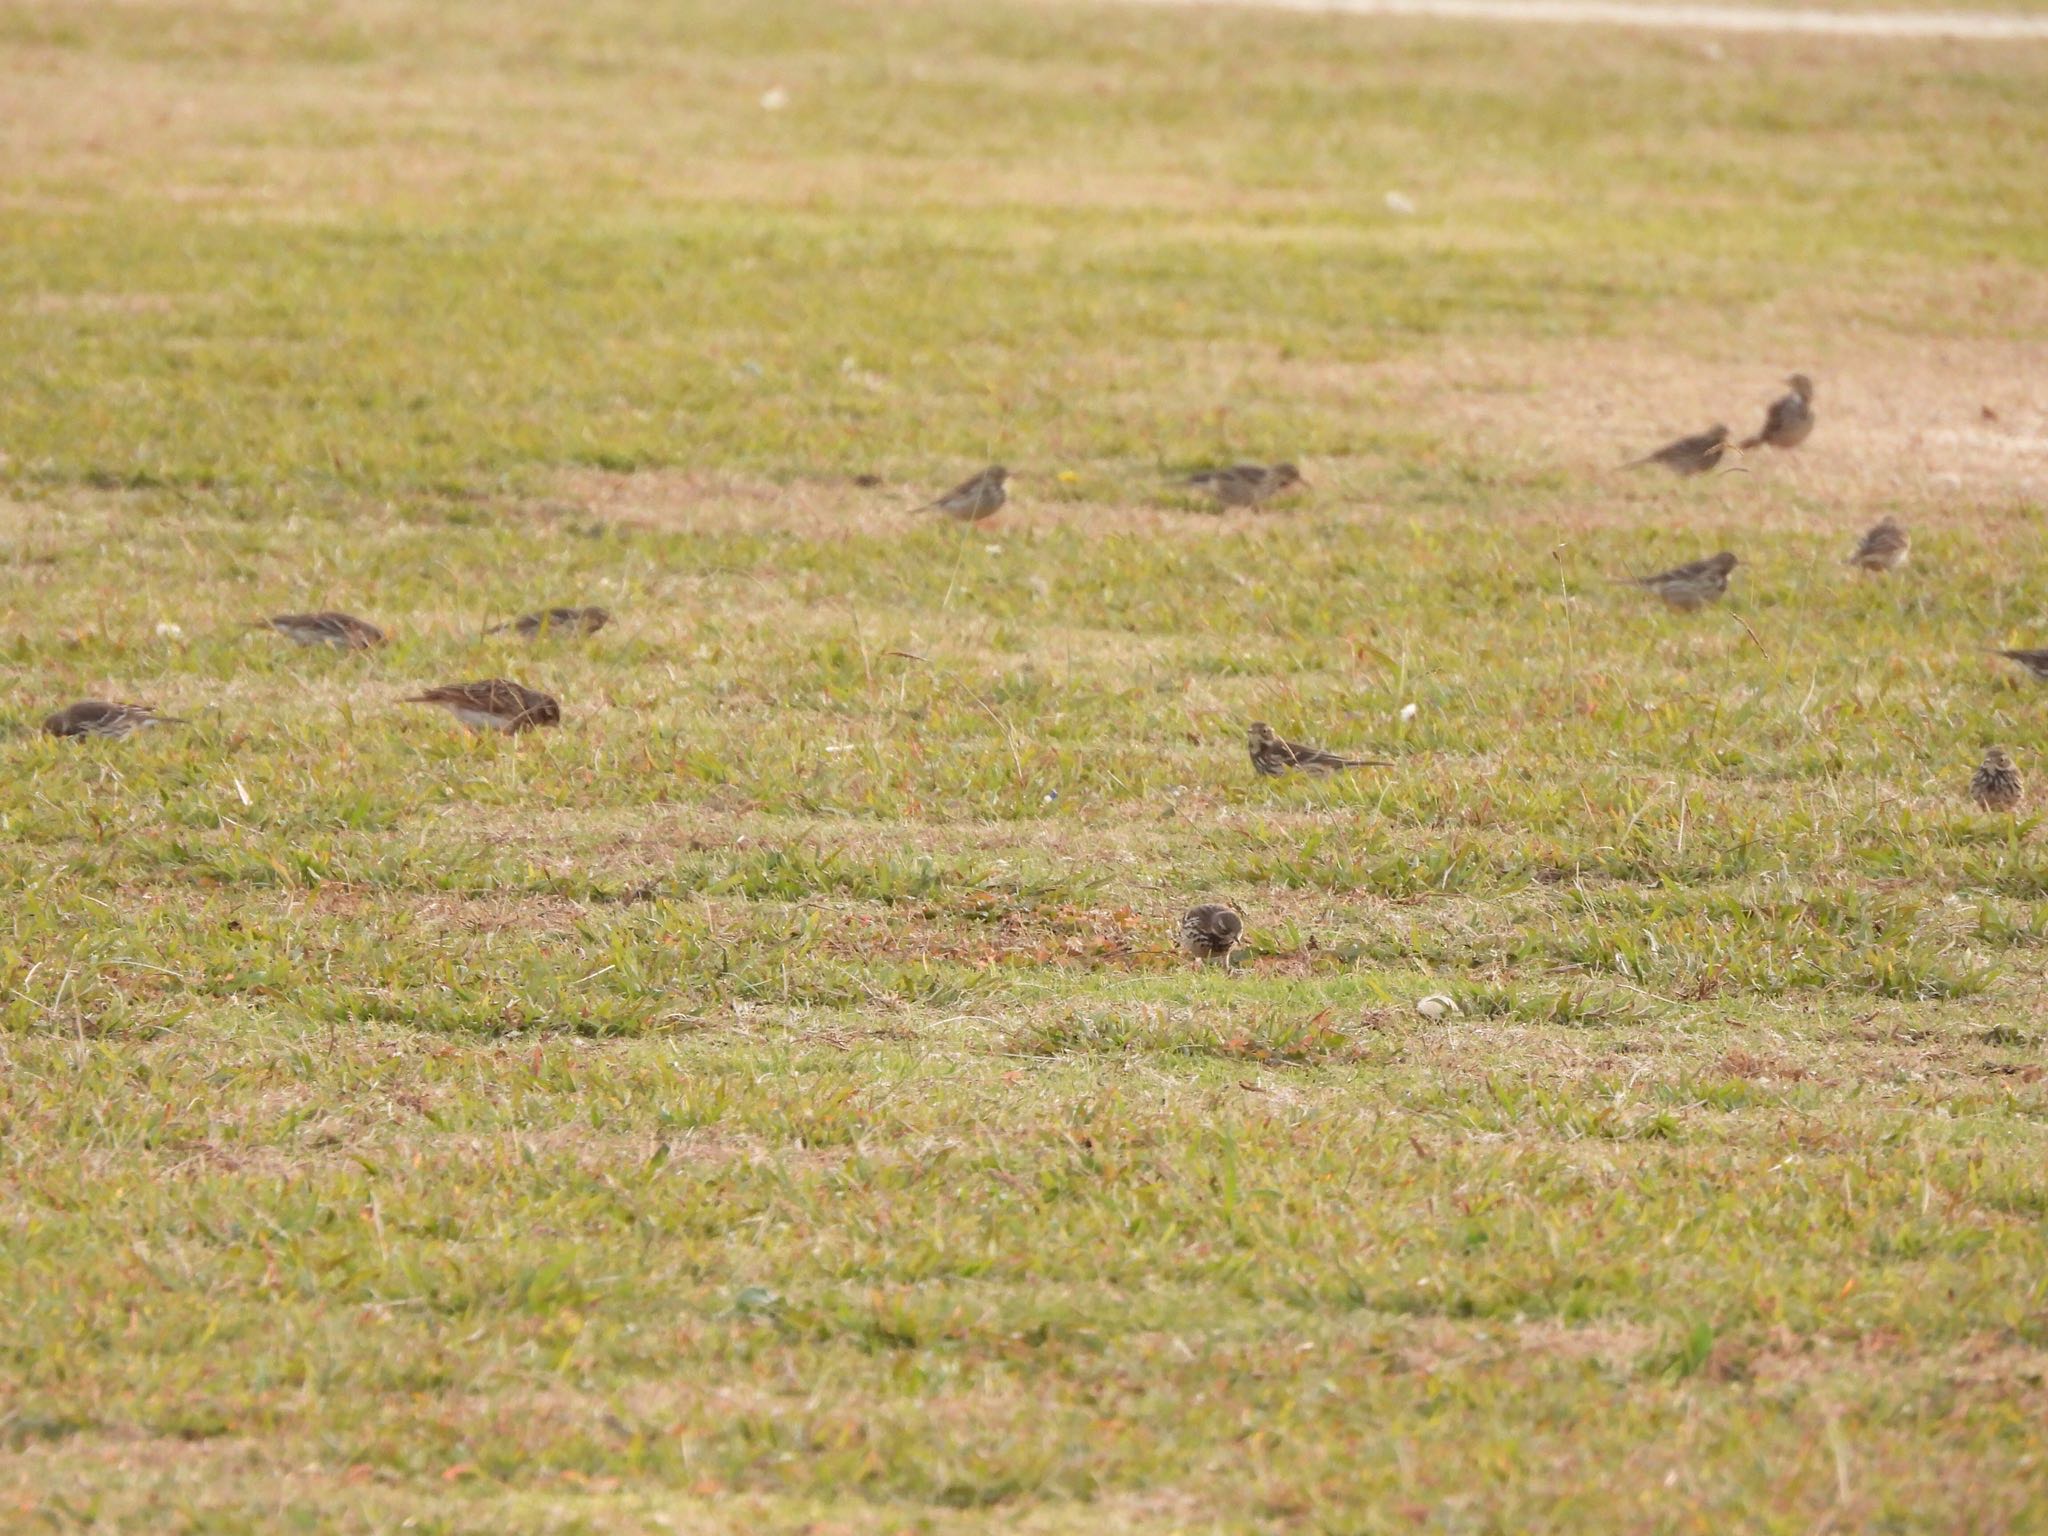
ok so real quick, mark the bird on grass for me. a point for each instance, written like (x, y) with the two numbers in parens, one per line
(1884, 548)
(976, 497)
(493, 705)
(1693, 455)
(96, 717)
(2035, 662)
(1996, 784)
(1274, 755)
(343, 631)
(1789, 421)
(1245, 485)
(1210, 932)
(556, 621)
(1691, 586)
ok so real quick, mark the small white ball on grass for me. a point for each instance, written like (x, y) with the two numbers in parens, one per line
(1438, 1005)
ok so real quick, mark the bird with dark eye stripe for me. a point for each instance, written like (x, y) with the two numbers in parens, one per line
(96, 717)
(1210, 932)
(2035, 662)
(1274, 755)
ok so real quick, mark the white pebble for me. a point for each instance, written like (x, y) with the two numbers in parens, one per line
(1401, 203)
(169, 631)
(1437, 1005)
(774, 99)
(1410, 711)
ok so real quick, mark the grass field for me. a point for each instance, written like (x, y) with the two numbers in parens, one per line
(773, 1101)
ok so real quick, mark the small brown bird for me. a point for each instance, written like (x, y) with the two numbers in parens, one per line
(556, 621)
(1693, 455)
(2035, 662)
(1273, 755)
(1245, 485)
(974, 498)
(493, 705)
(343, 631)
(1789, 421)
(96, 717)
(1693, 585)
(1996, 784)
(1884, 548)
(1210, 932)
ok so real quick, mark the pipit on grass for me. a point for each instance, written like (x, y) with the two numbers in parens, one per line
(1274, 755)
(493, 705)
(96, 717)
(1996, 784)
(1789, 421)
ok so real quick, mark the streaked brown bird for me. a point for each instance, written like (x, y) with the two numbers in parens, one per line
(1884, 548)
(343, 631)
(1210, 932)
(1245, 485)
(96, 717)
(1274, 755)
(1693, 585)
(1996, 784)
(1693, 455)
(556, 621)
(1789, 421)
(493, 705)
(2035, 662)
(976, 497)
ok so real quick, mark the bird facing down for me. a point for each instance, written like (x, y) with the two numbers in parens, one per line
(1210, 932)
(1245, 485)
(2035, 662)
(1693, 585)
(1789, 421)
(96, 717)
(1884, 548)
(974, 498)
(1996, 784)
(493, 705)
(556, 621)
(1693, 455)
(1273, 755)
(343, 631)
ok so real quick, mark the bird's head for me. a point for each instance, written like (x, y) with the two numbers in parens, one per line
(547, 712)
(1725, 562)
(1286, 475)
(997, 474)
(1995, 757)
(1802, 386)
(1259, 734)
(1719, 432)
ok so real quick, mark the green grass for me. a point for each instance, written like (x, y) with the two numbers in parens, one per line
(773, 1100)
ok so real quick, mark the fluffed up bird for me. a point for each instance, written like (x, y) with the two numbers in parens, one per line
(1273, 755)
(1996, 784)
(1693, 585)
(96, 717)
(974, 498)
(1789, 421)
(493, 705)
(1693, 455)
(1884, 548)
(1245, 485)
(556, 621)
(343, 631)
(1210, 932)
(2035, 662)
